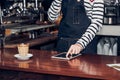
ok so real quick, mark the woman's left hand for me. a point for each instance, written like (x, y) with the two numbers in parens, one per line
(74, 49)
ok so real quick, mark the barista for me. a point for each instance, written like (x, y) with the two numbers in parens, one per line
(81, 20)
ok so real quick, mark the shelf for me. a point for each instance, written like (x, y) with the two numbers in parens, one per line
(42, 39)
(24, 28)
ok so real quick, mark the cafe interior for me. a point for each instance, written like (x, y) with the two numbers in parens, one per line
(25, 28)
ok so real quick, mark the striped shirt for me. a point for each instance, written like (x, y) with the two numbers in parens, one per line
(94, 11)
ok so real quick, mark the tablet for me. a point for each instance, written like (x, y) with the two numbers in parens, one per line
(63, 56)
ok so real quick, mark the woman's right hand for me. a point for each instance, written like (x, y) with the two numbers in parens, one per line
(74, 49)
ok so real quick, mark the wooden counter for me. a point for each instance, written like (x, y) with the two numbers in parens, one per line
(88, 66)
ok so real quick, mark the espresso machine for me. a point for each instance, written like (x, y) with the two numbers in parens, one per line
(23, 12)
(108, 45)
(111, 12)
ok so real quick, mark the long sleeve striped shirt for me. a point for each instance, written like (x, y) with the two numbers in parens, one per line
(94, 11)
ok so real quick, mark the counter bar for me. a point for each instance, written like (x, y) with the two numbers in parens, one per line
(87, 66)
(110, 30)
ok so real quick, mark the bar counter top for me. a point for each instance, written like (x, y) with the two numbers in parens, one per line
(88, 66)
(110, 30)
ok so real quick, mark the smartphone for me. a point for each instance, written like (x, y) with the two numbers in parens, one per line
(63, 56)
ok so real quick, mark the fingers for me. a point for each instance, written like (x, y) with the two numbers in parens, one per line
(69, 52)
(74, 49)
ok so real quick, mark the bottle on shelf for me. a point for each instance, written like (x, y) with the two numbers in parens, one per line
(2, 31)
(2, 34)
(41, 12)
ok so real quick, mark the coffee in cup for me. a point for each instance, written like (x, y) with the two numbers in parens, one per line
(23, 49)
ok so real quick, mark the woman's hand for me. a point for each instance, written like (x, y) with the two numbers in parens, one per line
(74, 49)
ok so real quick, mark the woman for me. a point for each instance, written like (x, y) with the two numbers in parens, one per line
(81, 20)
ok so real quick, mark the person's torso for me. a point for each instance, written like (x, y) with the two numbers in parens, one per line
(75, 21)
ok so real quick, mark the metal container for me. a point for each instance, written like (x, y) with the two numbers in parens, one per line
(110, 20)
(111, 13)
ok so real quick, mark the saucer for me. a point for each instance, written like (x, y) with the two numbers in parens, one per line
(23, 58)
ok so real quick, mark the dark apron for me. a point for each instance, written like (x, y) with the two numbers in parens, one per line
(73, 26)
